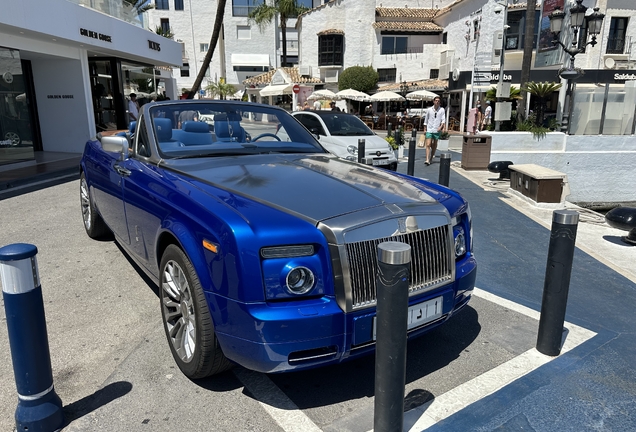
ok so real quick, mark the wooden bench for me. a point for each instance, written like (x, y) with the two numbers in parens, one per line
(538, 183)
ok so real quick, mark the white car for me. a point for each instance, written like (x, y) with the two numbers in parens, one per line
(339, 133)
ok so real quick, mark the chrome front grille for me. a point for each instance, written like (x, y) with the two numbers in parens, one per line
(432, 263)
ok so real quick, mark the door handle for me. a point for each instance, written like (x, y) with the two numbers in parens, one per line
(122, 171)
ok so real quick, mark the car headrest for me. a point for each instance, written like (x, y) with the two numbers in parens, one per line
(194, 126)
(132, 126)
(163, 126)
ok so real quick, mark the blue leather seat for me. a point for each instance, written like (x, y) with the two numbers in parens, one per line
(163, 129)
(228, 128)
(193, 133)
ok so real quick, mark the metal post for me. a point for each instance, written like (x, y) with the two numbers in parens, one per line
(361, 150)
(413, 133)
(444, 169)
(502, 57)
(391, 325)
(389, 129)
(401, 135)
(410, 168)
(39, 407)
(557, 281)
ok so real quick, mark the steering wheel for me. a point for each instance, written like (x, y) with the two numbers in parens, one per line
(266, 134)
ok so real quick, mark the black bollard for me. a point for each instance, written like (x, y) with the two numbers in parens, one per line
(389, 129)
(361, 150)
(392, 283)
(410, 169)
(413, 133)
(39, 407)
(400, 135)
(557, 281)
(444, 169)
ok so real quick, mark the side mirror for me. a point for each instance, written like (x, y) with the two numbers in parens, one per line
(115, 144)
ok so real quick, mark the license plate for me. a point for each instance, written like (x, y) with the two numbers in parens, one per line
(380, 161)
(421, 313)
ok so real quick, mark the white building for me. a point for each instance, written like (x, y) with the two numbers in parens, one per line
(244, 50)
(65, 71)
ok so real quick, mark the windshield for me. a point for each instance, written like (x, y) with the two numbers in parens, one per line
(346, 125)
(187, 129)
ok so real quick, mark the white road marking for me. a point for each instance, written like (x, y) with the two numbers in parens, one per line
(291, 419)
(479, 387)
(275, 402)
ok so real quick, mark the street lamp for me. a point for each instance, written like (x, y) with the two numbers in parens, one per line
(577, 17)
(404, 89)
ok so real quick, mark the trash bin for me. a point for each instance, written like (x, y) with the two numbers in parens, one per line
(476, 151)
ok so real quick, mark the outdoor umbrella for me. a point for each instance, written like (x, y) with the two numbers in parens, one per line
(385, 96)
(421, 95)
(352, 94)
(322, 95)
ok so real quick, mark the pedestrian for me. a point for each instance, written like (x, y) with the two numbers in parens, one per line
(333, 106)
(133, 107)
(434, 123)
(306, 106)
(487, 117)
(317, 105)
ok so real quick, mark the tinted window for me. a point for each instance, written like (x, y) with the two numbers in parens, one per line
(311, 123)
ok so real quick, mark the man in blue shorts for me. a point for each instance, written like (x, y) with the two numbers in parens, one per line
(434, 123)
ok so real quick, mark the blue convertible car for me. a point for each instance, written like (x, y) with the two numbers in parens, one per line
(262, 243)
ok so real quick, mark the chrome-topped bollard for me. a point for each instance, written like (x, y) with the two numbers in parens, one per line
(391, 324)
(39, 407)
(444, 169)
(361, 150)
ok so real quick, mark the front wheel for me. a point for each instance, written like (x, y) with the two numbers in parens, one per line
(93, 223)
(186, 318)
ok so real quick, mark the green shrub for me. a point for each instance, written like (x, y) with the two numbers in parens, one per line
(361, 78)
(391, 142)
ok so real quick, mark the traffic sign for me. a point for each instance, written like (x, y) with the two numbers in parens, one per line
(296, 88)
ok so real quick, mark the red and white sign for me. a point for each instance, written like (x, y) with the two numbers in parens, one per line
(296, 88)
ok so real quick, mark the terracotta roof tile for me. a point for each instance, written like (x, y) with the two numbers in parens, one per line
(330, 31)
(420, 13)
(407, 26)
(294, 74)
(429, 84)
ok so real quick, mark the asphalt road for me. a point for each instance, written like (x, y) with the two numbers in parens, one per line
(113, 369)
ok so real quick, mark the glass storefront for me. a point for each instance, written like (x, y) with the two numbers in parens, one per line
(16, 124)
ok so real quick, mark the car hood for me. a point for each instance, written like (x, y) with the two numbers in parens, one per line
(314, 187)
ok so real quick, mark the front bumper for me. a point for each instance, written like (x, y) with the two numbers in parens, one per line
(287, 336)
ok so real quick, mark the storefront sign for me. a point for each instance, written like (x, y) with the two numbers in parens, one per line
(624, 77)
(95, 35)
(59, 96)
(154, 45)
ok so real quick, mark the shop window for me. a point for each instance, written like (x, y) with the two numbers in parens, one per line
(330, 49)
(178, 4)
(434, 74)
(161, 4)
(165, 26)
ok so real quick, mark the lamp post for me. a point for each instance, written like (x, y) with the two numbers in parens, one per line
(570, 73)
(502, 54)
(404, 89)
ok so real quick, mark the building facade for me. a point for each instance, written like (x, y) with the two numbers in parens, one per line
(61, 84)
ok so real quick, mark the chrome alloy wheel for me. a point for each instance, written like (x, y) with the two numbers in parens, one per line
(13, 137)
(86, 204)
(179, 313)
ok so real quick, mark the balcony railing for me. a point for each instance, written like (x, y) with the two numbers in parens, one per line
(114, 8)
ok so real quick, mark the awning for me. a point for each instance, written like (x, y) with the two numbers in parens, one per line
(276, 90)
(250, 59)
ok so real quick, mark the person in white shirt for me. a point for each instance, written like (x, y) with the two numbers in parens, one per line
(487, 117)
(317, 105)
(434, 123)
(133, 107)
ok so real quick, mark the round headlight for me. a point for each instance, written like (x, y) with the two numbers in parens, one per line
(352, 149)
(460, 244)
(300, 280)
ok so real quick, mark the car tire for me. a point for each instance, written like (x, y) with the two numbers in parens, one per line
(14, 137)
(186, 318)
(94, 225)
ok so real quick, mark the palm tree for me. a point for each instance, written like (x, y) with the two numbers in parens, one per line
(139, 6)
(265, 13)
(526, 61)
(216, 31)
(223, 90)
(515, 93)
(167, 33)
(542, 91)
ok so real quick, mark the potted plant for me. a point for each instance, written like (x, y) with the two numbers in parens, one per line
(443, 141)
(394, 145)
